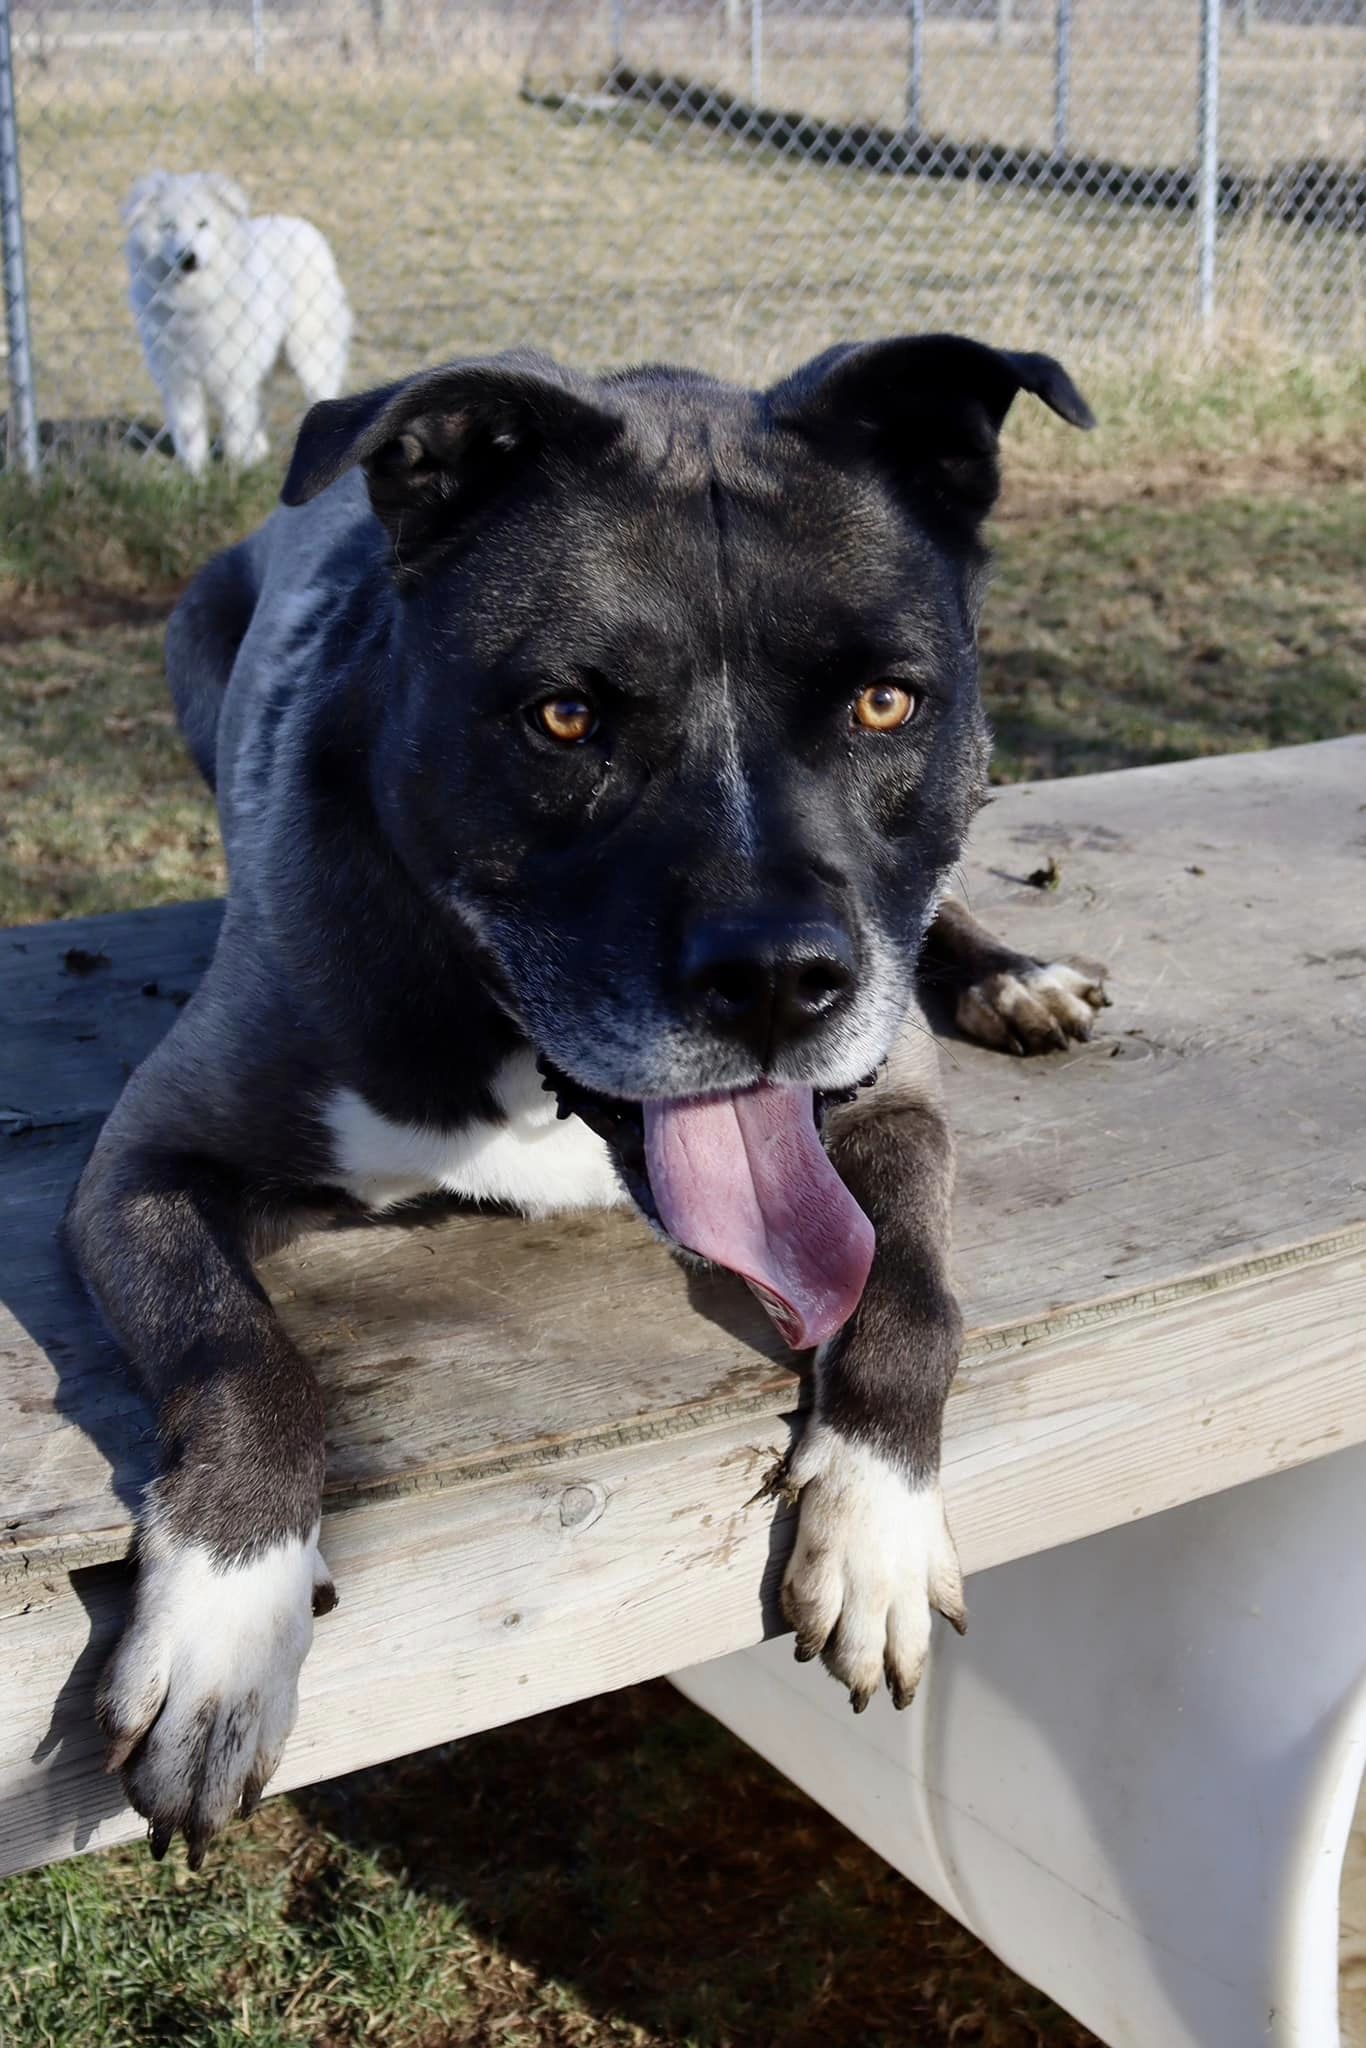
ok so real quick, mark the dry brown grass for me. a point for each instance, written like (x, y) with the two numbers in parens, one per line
(1284, 91)
(465, 219)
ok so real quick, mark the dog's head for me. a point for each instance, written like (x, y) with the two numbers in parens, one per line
(183, 230)
(684, 723)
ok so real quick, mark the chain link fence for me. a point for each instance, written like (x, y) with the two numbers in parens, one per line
(733, 182)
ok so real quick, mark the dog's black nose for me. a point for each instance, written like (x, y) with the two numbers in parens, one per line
(187, 260)
(765, 980)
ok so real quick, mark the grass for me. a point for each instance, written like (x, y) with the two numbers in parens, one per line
(119, 1953)
(97, 808)
(119, 528)
(621, 1874)
(1155, 632)
(464, 218)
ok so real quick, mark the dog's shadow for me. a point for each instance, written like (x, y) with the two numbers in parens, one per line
(638, 1860)
(649, 1870)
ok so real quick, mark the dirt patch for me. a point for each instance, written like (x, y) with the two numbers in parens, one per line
(82, 611)
(1183, 480)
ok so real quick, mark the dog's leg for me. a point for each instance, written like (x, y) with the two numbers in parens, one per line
(187, 416)
(244, 438)
(1004, 998)
(200, 1694)
(873, 1555)
(316, 348)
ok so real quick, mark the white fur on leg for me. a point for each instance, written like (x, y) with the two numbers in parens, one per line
(873, 1557)
(1036, 1010)
(199, 1698)
(187, 416)
(244, 439)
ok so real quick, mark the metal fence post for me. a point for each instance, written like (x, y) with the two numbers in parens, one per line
(1000, 32)
(23, 411)
(1062, 80)
(1208, 214)
(756, 50)
(915, 68)
(617, 31)
(258, 37)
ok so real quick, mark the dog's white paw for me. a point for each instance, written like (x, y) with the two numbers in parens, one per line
(1036, 1008)
(873, 1557)
(198, 1700)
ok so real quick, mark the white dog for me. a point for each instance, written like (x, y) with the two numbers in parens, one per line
(217, 295)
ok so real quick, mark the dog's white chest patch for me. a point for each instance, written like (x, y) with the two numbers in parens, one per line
(536, 1162)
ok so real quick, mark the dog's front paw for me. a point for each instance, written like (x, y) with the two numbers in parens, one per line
(1032, 1007)
(198, 1700)
(873, 1557)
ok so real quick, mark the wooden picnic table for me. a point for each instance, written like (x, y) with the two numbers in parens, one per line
(546, 1439)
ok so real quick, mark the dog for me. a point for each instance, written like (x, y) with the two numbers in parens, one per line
(217, 296)
(591, 754)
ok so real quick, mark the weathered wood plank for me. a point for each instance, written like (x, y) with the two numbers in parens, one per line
(1219, 1115)
(465, 1608)
(1162, 1248)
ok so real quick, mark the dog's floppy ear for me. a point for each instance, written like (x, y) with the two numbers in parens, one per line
(930, 407)
(436, 445)
(228, 193)
(146, 191)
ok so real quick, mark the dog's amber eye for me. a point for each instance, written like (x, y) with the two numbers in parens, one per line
(882, 707)
(568, 719)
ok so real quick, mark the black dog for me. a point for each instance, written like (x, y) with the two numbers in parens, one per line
(609, 738)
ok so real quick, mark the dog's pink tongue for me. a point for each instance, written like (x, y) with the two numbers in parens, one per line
(743, 1180)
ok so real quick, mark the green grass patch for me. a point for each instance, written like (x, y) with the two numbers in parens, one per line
(121, 524)
(1243, 420)
(125, 1953)
(1159, 631)
(100, 808)
(1178, 433)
